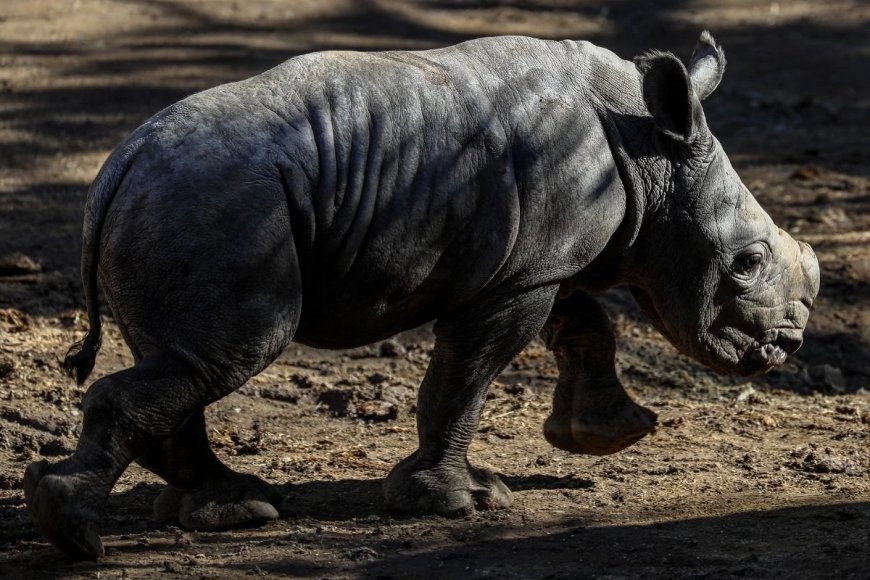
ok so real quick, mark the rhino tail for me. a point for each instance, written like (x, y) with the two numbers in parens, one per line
(80, 359)
(81, 356)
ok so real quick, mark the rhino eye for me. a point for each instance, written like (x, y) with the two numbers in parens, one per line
(748, 264)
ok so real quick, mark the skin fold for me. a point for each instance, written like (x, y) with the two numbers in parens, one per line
(494, 187)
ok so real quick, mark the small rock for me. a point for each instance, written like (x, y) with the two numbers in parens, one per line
(361, 553)
(750, 396)
(769, 422)
(279, 393)
(18, 265)
(377, 378)
(7, 367)
(377, 411)
(13, 320)
(173, 567)
(391, 349)
(303, 381)
(673, 422)
(182, 538)
(10, 481)
(516, 390)
(811, 460)
(848, 410)
(338, 402)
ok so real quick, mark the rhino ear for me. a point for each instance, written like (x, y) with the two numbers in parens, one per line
(706, 65)
(668, 94)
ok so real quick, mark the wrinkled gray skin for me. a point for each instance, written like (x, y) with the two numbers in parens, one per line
(342, 197)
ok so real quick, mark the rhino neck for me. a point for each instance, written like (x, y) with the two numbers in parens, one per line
(614, 91)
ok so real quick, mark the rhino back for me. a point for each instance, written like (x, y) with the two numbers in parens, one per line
(411, 181)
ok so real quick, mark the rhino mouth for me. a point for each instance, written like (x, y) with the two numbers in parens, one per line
(772, 349)
(768, 355)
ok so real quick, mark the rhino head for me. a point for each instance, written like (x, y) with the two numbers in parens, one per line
(716, 276)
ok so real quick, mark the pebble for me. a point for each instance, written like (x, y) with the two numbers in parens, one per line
(7, 367)
(339, 402)
(377, 410)
(361, 553)
(812, 460)
(391, 349)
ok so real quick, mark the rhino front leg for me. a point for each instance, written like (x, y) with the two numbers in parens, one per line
(592, 413)
(203, 493)
(471, 348)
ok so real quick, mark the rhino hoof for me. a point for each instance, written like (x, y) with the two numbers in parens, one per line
(418, 489)
(601, 434)
(233, 500)
(54, 501)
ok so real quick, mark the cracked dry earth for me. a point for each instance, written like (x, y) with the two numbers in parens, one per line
(760, 478)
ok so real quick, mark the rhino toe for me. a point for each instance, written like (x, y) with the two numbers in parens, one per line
(232, 501)
(601, 434)
(416, 488)
(55, 506)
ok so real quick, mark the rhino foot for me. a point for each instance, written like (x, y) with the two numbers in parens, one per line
(418, 488)
(600, 431)
(232, 500)
(57, 498)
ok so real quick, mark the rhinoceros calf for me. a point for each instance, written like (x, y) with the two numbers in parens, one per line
(342, 197)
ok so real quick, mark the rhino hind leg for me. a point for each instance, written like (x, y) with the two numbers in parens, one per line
(470, 350)
(592, 414)
(203, 493)
(123, 413)
(127, 415)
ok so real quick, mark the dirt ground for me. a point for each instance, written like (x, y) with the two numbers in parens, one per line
(760, 478)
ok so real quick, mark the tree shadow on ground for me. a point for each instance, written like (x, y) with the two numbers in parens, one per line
(777, 543)
(130, 75)
(782, 542)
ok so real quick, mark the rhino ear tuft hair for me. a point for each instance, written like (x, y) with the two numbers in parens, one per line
(668, 94)
(706, 65)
